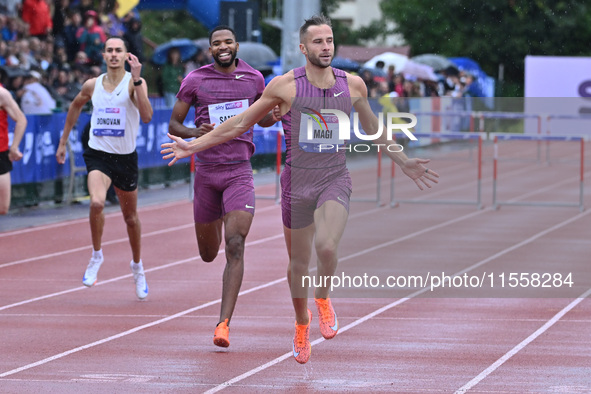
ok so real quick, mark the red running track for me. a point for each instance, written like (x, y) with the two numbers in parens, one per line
(58, 336)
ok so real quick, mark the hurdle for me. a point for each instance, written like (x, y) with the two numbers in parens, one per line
(479, 137)
(378, 198)
(526, 137)
(74, 169)
(551, 118)
(277, 196)
(482, 115)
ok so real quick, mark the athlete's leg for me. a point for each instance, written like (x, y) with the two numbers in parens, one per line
(98, 183)
(209, 239)
(237, 224)
(299, 249)
(128, 204)
(330, 220)
(4, 193)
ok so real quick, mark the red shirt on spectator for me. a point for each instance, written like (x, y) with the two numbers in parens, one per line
(36, 13)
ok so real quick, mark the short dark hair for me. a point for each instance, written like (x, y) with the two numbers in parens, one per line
(221, 27)
(125, 43)
(316, 20)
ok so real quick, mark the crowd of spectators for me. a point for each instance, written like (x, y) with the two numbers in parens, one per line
(49, 48)
(400, 88)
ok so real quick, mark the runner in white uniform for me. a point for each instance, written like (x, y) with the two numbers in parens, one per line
(119, 99)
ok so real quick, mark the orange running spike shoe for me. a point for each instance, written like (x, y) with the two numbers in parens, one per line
(221, 336)
(329, 325)
(301, 341)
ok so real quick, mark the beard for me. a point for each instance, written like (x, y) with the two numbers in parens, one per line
(319, 62)
(227, 63)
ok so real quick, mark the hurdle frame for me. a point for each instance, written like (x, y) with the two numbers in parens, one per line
(454, 135)
(277, 196)
(522, 137)
(378, 198)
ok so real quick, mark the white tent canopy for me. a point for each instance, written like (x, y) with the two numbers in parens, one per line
(402, 64)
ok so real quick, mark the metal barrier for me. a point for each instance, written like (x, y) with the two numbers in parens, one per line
(525, 137)
(73, 171)
(451, 135)
(277, 196)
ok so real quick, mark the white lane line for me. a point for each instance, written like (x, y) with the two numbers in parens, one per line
(273, 362)
(178, 262)
(402, 300)
(111, 242)
(104, 282)
(128, 332)
(133, 330)
(85, 220)
(522, 344)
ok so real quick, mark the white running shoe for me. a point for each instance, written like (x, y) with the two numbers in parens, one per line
(141, 286)
(90, 275)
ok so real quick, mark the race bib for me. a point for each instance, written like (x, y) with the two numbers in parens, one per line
(319, 135)
(219, 113)
(108, 122)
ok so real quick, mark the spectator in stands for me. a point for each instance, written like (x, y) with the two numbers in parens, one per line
(112, 24)
(82, 59)
(92, 37)
(12, 52)
(36, 98)
(172, 76)
(10, 29)
(59, 20)
(3, 52)
(10, 8)
(25, 57)
(199, 60)
(133, 35)
(37, 14)
(65, 88)
(73, 24)
(84, 6)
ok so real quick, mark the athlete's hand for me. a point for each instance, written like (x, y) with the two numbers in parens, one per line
(179, 149)
(14, 154)
(60, 155)
(203, 129)
(276, 114)
(416, 171)
(135, 66)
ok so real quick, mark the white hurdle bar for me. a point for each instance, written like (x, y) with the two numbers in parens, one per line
(451, 135)
(526, 137)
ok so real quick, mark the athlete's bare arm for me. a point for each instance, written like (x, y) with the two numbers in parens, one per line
(278, 92)
(139, 94)
(176, 126)
(73, 113)
(413, 168)
(8, 104)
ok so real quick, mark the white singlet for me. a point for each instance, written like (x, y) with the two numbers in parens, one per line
(115, 119)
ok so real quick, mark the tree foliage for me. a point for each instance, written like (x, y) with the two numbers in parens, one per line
(494, 32)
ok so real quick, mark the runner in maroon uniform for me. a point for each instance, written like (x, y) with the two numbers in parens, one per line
(326, 187)
(224, 186)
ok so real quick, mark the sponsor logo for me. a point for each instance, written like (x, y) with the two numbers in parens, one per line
(234, 105)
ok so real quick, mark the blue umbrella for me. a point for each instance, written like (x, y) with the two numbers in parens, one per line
(345, 64)
(186, 47)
